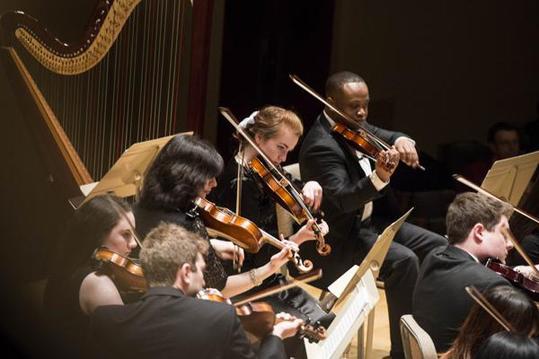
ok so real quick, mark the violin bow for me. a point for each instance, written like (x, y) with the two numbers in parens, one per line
(306, 278)
(508, 234)
(348, 120)
(472, 185)
(488, 307)
(227, 114)
(239, 186)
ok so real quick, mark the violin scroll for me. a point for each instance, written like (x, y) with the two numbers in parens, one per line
(304, 266)
(323, 248)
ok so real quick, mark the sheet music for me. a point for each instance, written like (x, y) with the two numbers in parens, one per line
(509, 178)
(337, 287)
(348, 320)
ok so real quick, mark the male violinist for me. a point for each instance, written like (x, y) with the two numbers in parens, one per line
(477, 230)
(168, 322)
(350, 186)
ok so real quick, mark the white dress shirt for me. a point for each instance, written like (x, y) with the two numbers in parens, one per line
(366, 167)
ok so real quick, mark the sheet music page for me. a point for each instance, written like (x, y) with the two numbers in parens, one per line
(337, 287)
(349, 318)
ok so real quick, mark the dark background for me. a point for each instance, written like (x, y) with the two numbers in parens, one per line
(441, 71)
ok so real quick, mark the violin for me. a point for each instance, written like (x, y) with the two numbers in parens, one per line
(125, 273)
(223, 223)
(284, 193)
(279, 186)
(355, 134)
(531, 287)
(258, 318)
(360, 140)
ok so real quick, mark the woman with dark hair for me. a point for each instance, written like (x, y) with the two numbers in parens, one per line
(506, 345)
(78, 283)
(512, 304)
(185, 169)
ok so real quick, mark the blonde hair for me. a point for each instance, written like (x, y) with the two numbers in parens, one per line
(165, 249)
(270, 119)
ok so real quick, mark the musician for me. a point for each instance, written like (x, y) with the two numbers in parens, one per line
(350, 187)
(78, 283)
(276, 131)
(512, 304)
(185, 168)
(167, 322)
(474, 229)
(506, 345)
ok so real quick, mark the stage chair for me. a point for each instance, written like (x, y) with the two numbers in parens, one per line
(416, 342)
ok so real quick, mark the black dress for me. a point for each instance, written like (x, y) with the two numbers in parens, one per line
(259, 207)
(68, 325)
(147, 219)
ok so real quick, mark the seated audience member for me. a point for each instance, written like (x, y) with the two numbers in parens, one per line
(514, 306)
(474, 229)
(79, 283)
(531, 133)
(168, 322)
(505, 345)
(504, 142)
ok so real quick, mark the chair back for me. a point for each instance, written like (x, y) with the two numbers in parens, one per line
(416, 342)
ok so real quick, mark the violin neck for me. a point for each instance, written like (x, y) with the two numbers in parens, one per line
(268, 238)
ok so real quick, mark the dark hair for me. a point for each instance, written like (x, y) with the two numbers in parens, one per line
(179, 172)
(499, 126)
(335, 82)
(87, 229)
(512, 304)
(505, 345)
(468, 209)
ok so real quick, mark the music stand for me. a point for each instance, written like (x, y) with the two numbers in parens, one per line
(372, 261)
(126, 175)
(357, 296)
(509, 178)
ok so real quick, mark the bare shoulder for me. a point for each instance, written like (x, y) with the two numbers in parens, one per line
(97, 290)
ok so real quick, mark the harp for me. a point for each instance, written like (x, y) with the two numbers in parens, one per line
(129, 78)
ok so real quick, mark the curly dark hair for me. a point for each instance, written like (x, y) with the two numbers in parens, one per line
(179, 172)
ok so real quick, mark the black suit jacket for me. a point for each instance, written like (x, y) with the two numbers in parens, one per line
(326, 158)
(167, 324)
(440, 301)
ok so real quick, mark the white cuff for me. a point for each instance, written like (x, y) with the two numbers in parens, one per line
(404, 138)
(377, 182)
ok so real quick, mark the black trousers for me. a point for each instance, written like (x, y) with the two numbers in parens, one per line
(400, 269)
